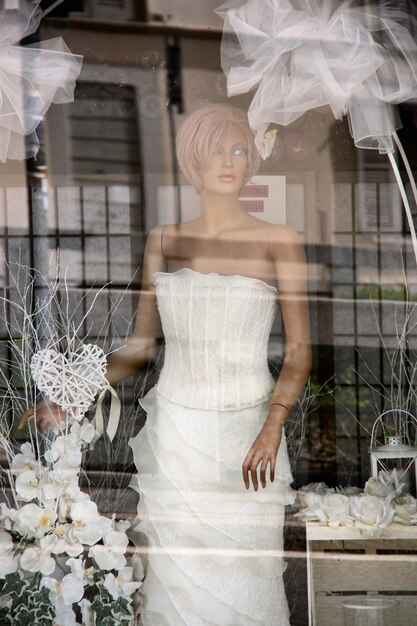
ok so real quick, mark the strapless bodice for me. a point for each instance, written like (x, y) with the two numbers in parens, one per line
(216, 330)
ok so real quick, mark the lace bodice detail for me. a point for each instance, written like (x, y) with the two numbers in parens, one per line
(216, 331)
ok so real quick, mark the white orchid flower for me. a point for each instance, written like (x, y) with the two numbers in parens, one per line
(7, 517)
(88, 525)
(84, 432)
(122, 585)
(33, 521)
(77, 569)
(67, 591)
(28, 485)
(60, 542)
(65, 448)
(111, 554)
(37, 559)
(122, 525)
(65, 616)
(86, 612)
(70, 496)
(137, 564)
(8, 562)
(25, 460)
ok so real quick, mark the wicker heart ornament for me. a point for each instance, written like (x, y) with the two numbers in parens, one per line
(70, 380)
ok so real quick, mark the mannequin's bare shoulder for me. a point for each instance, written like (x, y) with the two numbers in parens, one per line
(283, 234)
(153, 260)
(153, 240)
(285, 243)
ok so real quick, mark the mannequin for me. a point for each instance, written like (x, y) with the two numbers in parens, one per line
(214, 429)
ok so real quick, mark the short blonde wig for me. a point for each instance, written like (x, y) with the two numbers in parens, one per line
(203, 130)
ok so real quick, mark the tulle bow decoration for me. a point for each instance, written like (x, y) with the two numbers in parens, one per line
(302, 54)
(31, 78)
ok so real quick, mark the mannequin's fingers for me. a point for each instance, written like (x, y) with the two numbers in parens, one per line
(245, 468)
(272, 470)
(254, 472)
(263, 472)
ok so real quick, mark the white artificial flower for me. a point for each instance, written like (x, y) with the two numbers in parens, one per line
(265, 140)
(88, 525)
(385, 485)
(37, 559)
(85, 575)
(7, 516)
(111, 554)
(137, 564)
(123, 585)
(64, 616)
(84, 432)
(349, 490)
(86, 612)
(371, 513)
(49, 491)
(405, 508)
(67, 591)
(28, 485)
(122, 525)
(63, 473)
(33, 521)
(61, 542)
(65, 448)
(25, 460)
(6, 542)
(8, 562)
(70, 496)
(313, 493)
(334, 510)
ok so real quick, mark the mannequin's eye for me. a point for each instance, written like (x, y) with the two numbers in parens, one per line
(240, 151)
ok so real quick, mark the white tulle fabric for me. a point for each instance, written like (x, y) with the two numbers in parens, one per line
(31, 78)
(214, 549)
(302, 54)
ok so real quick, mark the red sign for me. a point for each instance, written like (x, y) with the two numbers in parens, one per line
(255, 191)
(252, 206)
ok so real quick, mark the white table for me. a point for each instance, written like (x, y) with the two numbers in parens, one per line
(344, 563)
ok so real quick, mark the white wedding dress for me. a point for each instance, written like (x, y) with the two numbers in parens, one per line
(213, 548)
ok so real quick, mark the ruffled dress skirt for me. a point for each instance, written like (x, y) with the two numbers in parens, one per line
(212, 549)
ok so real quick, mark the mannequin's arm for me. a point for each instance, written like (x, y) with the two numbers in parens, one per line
(291, 268)
(139, 347)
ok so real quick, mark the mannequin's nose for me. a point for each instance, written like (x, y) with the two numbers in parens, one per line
(226, 158)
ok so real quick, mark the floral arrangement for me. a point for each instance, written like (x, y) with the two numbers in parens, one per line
(378, 505)
(62, 563)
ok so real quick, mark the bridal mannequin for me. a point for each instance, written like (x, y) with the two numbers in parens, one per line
(215, 419)
(227, 240)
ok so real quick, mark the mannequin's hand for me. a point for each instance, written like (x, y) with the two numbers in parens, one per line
(48, 415)
(264, 450)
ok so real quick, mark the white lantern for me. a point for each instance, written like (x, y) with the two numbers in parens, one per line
(397, 429)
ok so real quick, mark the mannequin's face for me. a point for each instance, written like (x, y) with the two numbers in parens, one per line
(225, 170)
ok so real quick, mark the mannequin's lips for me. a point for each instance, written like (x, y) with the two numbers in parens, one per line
(227, 178)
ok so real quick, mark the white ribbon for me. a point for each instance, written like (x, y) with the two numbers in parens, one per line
(114, 415)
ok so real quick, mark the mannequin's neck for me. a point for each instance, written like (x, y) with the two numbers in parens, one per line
(220, 212)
